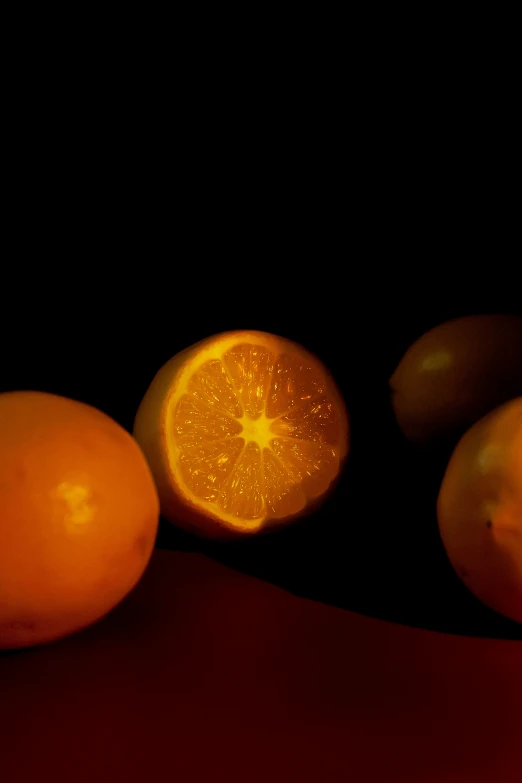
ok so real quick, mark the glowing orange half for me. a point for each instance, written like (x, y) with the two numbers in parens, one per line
(243, 431)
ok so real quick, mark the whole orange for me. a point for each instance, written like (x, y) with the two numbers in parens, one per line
(480, 509)
(456, 373)
(244, 431)
(78, 516)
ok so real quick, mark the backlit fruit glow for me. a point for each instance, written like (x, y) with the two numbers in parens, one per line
(79, 514)
(480, 509)
(243, 429)
(249, 398)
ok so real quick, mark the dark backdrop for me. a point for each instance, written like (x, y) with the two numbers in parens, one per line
(98, 332)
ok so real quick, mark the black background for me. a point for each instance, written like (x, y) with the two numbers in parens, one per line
(98, 332)
(348, 219)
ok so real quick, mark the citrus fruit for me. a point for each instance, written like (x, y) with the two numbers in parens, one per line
(456, 373)
(243, 431)
(480, 509)
(78, 516)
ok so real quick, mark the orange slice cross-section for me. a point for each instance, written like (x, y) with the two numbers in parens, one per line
(243, 431)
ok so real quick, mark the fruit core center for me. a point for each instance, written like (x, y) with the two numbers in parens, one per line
(257, 429)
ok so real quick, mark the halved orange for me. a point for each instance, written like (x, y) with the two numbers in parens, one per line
(243, 431)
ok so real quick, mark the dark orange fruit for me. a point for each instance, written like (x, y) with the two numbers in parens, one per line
(455, 374)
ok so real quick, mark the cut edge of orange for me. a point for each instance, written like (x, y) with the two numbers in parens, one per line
(154, 424)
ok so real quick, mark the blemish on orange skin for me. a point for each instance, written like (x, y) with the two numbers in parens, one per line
(143, 544)
(17, 625)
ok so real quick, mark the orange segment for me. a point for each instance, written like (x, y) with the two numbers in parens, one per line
(293, 383)
(241, 430)
(315, 420)
(250, 368)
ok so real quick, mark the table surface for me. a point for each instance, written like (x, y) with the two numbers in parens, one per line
(203, 673)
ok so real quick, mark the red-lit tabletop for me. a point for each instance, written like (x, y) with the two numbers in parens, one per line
(204, 674)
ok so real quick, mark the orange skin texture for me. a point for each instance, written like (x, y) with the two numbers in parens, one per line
(480, 509)
(151, 430)
(456, 373)
(79, 514)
